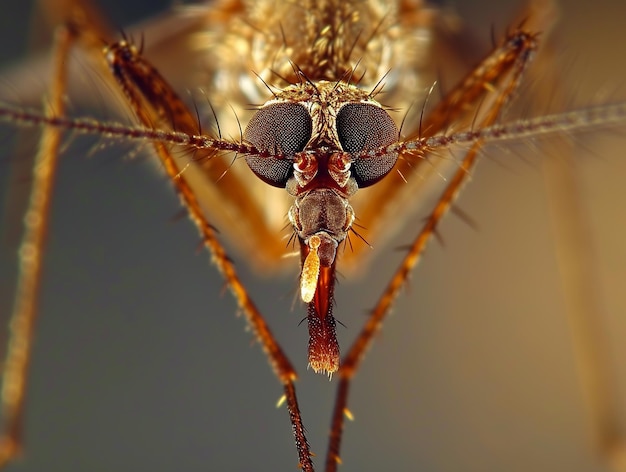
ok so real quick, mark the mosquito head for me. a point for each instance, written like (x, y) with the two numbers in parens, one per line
(315, 131)
(322, 142)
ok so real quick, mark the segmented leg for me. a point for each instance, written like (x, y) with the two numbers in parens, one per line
(156, 104)
(586, 312)
(498, 76)
(31, 252)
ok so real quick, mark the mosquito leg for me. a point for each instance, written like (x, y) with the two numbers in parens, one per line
(586, 313)
(574, 248)
(498, 76)
(30, 256)
(585, 310)
(279, 361)
(155, 102)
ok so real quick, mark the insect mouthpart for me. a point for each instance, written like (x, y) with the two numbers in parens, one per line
(322, 252)
(321, 218)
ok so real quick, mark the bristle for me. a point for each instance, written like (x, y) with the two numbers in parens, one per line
(323, 345)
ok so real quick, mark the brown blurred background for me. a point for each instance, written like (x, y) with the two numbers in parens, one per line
(141, 364)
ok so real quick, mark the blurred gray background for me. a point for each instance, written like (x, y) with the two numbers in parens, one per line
(141, 364)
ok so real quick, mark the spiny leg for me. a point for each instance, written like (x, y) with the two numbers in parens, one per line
(498, 77)
(574, 247)
(586, 313)
(279, 361)
(30, 256)
(155, 102)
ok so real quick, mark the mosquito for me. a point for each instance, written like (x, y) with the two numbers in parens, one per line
(239, 387)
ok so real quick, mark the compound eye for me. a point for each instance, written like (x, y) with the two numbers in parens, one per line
(278, 131)
(363, 127)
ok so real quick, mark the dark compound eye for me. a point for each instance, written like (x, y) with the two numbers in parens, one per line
(362, 127)
(278, 131)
